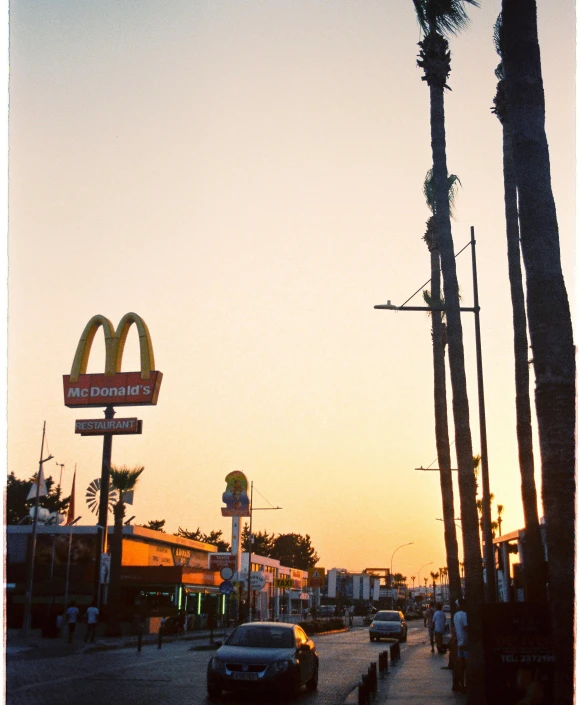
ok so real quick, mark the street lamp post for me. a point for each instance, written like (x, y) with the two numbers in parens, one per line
(488, 557)
(419, 571)
(251, 540)
(32, 548)
(68, 561)
(396, 549)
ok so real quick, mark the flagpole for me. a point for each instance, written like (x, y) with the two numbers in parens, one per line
(30, 569)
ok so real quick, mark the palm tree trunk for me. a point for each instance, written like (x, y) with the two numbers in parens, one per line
(113, 606)
(442, 436)
(549, 323)
(534, 563)
(471, 550)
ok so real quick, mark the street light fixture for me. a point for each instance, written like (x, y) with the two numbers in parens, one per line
(68, 560)
(488, 557)
(396, 549)
(250, 542)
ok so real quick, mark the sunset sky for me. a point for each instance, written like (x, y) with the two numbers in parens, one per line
(247, 177)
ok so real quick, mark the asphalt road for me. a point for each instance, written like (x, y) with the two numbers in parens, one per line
(175, 674)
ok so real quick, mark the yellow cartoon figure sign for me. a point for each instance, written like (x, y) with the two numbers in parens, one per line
(236, 495)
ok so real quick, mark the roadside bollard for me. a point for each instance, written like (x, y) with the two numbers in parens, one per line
(384, 663)
(139, 638)
(368, 690)
(373, 677)
(363, 692)
(160, 637)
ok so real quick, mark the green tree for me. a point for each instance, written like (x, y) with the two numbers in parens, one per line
(17, 506)
(263, 542)
(439, 340)
(155, 525)
(534, 564)
(549, 322)
(214, 538)
(192, 535)
(123, 480)
(438, 18)
(294, 550)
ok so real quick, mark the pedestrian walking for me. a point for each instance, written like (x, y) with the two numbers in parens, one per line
(92, 621)
(72, 617)
(460, 671)
(429, 612)
(439, 622)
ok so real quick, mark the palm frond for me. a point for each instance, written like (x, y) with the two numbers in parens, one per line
(453, 183)
(442, 16)
(497, 33)
(124, 479)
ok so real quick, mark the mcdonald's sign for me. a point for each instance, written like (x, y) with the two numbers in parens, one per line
(113, 387)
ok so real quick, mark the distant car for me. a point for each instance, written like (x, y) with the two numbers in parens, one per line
(446, 608)
(326, 611)
(264, 656)
(388, 624)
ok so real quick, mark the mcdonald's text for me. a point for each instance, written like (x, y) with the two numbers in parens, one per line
(121, 389)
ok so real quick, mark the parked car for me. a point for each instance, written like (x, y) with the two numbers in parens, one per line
(388, 624)
(326, 611)
(264, 656)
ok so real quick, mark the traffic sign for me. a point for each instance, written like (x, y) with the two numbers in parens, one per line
(257, 580)
(227, 573)
(285, 583)
(226, 588)
(316, 577)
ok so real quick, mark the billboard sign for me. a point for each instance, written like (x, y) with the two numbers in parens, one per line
(519, 660)
(113, 387)
(236, 495)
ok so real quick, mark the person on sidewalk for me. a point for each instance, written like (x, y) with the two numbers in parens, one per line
(72, 616)
(439, 622)
(429, 612)
(460, 672)
(92, 621)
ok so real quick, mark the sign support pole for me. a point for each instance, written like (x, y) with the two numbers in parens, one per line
(103, 505)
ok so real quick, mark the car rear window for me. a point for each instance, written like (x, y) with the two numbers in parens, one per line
(387, 617)
(262, 637)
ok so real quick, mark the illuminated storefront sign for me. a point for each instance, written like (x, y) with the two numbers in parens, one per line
(113, 387)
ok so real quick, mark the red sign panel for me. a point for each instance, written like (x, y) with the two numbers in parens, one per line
(121, 389)
(217, 562)
(98, 427)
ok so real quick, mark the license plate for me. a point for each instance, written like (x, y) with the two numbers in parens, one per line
(244, 676)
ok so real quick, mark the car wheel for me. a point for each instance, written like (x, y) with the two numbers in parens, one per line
(372, 638)
(213, 691)
(312, 684)
(294, 689)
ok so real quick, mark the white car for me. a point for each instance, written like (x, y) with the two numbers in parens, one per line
(388, 624)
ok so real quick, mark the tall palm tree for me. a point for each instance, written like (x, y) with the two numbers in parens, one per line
(549, 322)
(438, 18)
(534, 564)
(499, 517)
(123, 480)
(439, 337)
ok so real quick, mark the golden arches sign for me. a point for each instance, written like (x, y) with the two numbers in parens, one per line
(113, 387)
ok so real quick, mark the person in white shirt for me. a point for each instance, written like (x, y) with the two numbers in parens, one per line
(72, 616)
(92, 621)
(460, 671)
(439, 622)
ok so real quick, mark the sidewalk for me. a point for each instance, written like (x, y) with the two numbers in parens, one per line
(37, 646)
(419, 679)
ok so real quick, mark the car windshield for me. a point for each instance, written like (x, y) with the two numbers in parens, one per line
(387, 617)
(262, 637)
